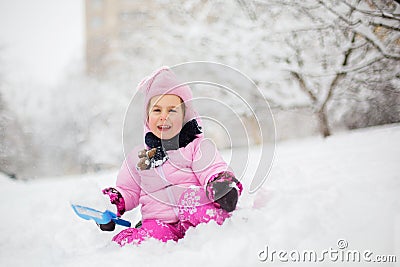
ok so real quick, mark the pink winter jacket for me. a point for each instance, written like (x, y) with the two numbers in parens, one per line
(158, 190)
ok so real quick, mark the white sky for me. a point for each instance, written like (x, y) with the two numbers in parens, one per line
(39, 39)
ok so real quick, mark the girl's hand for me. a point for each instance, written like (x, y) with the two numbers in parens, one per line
(224, 190)
(116, 199)
(107, 227)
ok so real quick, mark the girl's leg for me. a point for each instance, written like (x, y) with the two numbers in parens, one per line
(150, 228)
(196, 208)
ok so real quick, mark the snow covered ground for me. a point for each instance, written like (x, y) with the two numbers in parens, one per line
(318, 192)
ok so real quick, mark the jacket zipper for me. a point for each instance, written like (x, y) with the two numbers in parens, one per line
(171, 196)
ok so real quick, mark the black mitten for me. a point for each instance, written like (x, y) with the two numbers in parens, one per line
(224, 190)
(107, 227)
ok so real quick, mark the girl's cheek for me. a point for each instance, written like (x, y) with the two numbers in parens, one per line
(151, 119)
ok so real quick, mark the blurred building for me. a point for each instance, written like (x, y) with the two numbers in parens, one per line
(121, 33)
(109, 25)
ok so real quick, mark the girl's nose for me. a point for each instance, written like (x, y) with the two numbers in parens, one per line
(163, 116)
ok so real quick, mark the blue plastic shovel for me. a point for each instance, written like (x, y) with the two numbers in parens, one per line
(98, 216)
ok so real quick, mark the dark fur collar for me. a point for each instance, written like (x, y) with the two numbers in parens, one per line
(188, 133)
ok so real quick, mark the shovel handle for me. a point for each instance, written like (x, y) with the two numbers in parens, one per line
(121, 222)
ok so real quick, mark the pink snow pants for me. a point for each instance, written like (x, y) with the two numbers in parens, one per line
(191, 213)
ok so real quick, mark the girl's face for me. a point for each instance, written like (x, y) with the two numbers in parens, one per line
(165, 116)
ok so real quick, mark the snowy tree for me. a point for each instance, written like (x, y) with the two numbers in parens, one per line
(335, 49)
(377, 85)
(371, 63)
(84, 121)
(14, 152)
(380, 106)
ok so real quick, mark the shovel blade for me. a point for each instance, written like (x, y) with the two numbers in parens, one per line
(98, 216)
(92, 214)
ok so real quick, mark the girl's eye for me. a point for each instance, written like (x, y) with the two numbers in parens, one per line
(156, 110)
(172, 110)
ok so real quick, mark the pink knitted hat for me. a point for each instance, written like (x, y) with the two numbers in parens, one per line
(164, 82)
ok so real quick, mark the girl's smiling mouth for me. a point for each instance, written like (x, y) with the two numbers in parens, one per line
(163, 127)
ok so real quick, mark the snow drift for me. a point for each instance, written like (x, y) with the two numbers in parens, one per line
(319, 191)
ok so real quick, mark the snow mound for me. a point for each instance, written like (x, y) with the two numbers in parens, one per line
(319, 191)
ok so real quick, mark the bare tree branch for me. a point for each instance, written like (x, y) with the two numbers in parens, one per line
(393, 28)
(245, 5)
(363, 31)
(338, 15)
(380, 14)
(303, 86)
(341, 70)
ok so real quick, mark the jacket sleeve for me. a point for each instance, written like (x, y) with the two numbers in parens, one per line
(207, 162)
(128, 183)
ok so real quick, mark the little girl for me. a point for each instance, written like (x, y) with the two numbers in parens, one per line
(178, 177)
